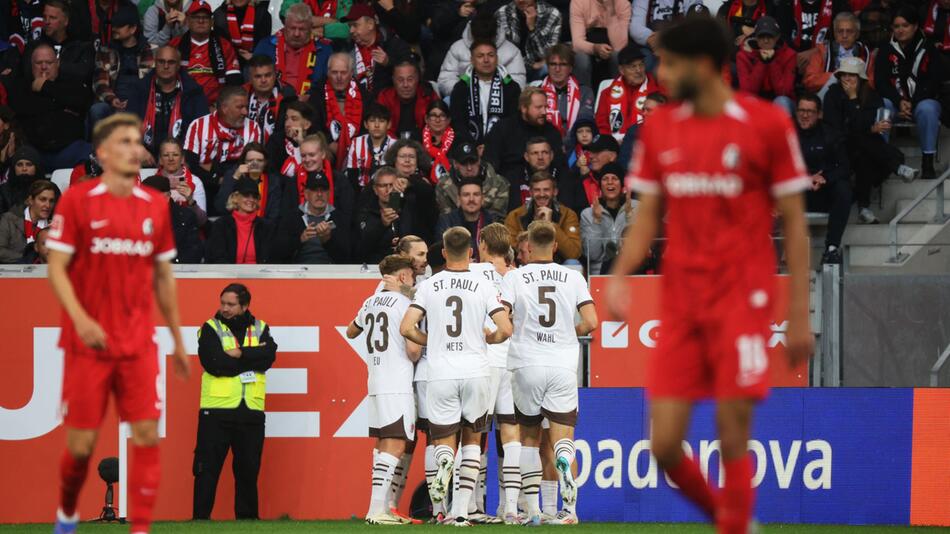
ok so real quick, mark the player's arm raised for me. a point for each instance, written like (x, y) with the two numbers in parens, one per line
(91, 333)
(636, 248)
(800, 341)
(588, 321)
(166, 295)
(409, 328)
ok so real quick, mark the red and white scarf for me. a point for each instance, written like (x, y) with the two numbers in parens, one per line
(573, 104)
(182, 174)
(363, 71)
(227, 137)
(930, 25)
(363, 156)
(308, 61)
(102, 29)
(343, 125)
(242, 37)
(174, 121)
(739, 9)
(30, 228)
(440, 160)
(625, 106)
(325, 10)
(820, 32)
(294, 168)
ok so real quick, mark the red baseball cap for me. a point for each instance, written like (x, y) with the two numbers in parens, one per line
(359, 10)
(198, 6)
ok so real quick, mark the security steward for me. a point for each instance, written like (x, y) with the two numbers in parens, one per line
(232, 402)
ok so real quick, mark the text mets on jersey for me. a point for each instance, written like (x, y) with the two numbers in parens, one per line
(688, 184)
(124, 247)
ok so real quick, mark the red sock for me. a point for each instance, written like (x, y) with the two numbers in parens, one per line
(690, 479)
(144, 475)
(735, 506)
(72, 474)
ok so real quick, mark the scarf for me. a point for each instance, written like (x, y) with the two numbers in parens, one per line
(930, 25)
(738, 9)
(183, 175)
(818, 33)
(343, 125)
(174, 121)
(477, 126)
(907, 64)
(625, 105)
(363, 70)
(573, 104)
(215, 55)
(308, 61)
(390, 100)
(103, 27)
(831, 54)
(30, 228)
(246, 250)
(242, 37)
(235, 143)
(262, 186)
(440, 160)
(294, 168)
(326, 10)
(363, 157)
(264, 112)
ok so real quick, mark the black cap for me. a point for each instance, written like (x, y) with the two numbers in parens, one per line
(126, 15)
(611, 168)
(158, 183)
(464, 152)
(247, 186)
(603, 143)
(629, 54)
(317, 181)
(767, 26)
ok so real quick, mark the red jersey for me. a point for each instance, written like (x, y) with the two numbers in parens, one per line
(114, 243)
(718, 177)
(200, 65)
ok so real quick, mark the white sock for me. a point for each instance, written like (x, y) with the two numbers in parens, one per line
(564, 448)
(549, 497)
(501, 489)
(571, 508)
(399, 480)
(530, 462)
(478, 503)
(382, 479)
(455, 473)
(468, 478)
(511, 477)
(430, 469)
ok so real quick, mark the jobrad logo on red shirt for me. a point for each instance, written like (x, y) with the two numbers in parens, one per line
(114, 245)
(703, 184)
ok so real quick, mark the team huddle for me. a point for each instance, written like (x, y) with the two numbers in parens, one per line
(474, 344)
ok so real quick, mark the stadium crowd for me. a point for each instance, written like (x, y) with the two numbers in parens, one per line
(358, 123)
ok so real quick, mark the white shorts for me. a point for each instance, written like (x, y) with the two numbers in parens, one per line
(545, 392)
(456, 403)
(501, 403)
(422, 410)
(392, 416)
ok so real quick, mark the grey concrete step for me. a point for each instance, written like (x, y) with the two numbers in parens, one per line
(877, 234)
(925, 212)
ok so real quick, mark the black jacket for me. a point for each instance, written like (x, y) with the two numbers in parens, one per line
(898, 69)
(222, 243)
(824, 151)
(262, 24)
(404, 19)
(458, 110)
(187, 235)
(194, 104)
(784, 13)
(53, 117)
(417, 216)
(397, 50)
(851, 117)
(77, 59)
(455, 218)
(519, 182)
(506, 143)
(289, 249)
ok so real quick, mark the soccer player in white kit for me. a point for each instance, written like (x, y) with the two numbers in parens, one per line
(542, 297)
(392, 406)
(455, 303)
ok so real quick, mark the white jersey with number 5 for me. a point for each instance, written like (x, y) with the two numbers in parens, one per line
(456, 304)
(390, 369)
(544, 298)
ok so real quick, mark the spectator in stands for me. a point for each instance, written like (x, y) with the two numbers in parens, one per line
(766, 66)
(327, 17)
(38, 254)
(241, 237)
(538, 156)
(296, 121)
(875, 26)
(184, 223)
(806, 23)
(448, 22)
(120, 66)
(22, 23)
(366, 151)
(214, 143)
(826, 159)
(908, 75)
(26, 168)
(313, 162)
(457, 63)
(653, 101)
(165, 20)
(11, 138)
(578, 142)
(565, 98)
(533, 26)
(543, 206)
(52, 110)
(407, 100)
(93, 19)
(505, 145)
(265, 94)
(937, 24)
(244, 24)
(186, 190)
(301, 61)
(620, 104)
(599, 30)
(402, 18)
(851, 108)
(340, 102)
(438, 136)
(604, 222)
(167, 100)
(649, 17)
(76, 56)
(819, 74)
(483, 96)
(314, 234)
(467, 165)
(375, 51)
(253, 165)
(741, 16)
(208, 57)
(378, 217)
(471, 213)
(413, 168)
(19, 225)
(582, 186)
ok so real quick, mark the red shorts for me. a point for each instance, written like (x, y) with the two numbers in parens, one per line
(719, 353)
(87, 382)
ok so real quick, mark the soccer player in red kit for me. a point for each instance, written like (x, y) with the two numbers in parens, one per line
(715, 167)
(110, 247)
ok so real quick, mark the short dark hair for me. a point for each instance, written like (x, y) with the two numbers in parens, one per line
(482, 42)
(658, 97)
(908, 13)
(394, 263)
(437, 103)
(810, 97)
(561, 50)
(305, 110)
(254, 146)
(471, 181)
(699, 36)
(260, 60)
(62, 5)
(376, 110)
(537, 140)
(243, 295)
(230, 91)
(456, 240)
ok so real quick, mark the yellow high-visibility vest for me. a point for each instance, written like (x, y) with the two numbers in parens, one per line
(227, 391)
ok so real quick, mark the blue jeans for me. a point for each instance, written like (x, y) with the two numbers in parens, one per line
(787, 104)
(67, 157)
(584, 69)
(927, 119)
(98, 111)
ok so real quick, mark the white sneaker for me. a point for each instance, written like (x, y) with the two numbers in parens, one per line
(533, 521)
(866, 216)
(512, 519)
(908, 174)
(384, 519)
(440, 484)
(566, 479)
(564, 518)
(456, 522)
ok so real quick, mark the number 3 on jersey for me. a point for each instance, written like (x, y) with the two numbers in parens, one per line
(455, 303)
(377, 324)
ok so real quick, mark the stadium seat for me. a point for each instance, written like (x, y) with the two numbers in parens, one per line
(603, 85)
(61, 179)
(145, 173)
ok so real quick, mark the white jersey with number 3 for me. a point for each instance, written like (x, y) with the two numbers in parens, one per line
(456, 304)
(390, 369)
(544, 298)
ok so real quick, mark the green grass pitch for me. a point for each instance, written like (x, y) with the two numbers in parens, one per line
(343, 527)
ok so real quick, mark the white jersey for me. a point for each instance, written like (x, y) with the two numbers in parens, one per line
(390, 369)
(497, 353)
(456, 304)
(544, 298)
